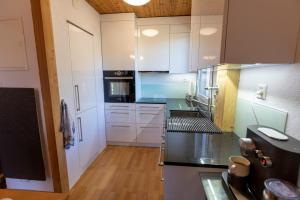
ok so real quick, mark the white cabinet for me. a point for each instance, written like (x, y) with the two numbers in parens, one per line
(118, 42)
(205, 41)
(88, 136)
(84, 83)
(153, 48)
(121, 132)
(119, 106)
(83, 68)
(149, 133)
(179, 48)
(210, 40)
(150, 120)
(123, 116)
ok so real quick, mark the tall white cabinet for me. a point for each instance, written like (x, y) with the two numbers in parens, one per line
(84, 84)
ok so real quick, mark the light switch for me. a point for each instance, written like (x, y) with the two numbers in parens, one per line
(261, 92)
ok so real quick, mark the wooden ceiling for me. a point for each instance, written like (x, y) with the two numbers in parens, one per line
(155, 8)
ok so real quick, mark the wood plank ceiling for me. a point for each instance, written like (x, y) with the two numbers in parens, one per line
(155, 8)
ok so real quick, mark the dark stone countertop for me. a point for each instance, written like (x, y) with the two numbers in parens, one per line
(200, 149)
(172, 103)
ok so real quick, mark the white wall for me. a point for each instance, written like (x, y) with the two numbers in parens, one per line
(82, 14)
(283, 90)
(26, 78)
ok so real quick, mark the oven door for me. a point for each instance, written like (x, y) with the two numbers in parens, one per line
(119, 89)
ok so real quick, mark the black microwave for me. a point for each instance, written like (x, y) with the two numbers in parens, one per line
(119, 86)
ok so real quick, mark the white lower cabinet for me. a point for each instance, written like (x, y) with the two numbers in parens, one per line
(121, 132)
(149, 133)
(142, 127)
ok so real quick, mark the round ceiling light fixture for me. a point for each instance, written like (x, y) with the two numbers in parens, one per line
(136, 2)
(208, 31)
(150, 32)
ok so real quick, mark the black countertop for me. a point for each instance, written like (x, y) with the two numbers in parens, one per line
(200, 149)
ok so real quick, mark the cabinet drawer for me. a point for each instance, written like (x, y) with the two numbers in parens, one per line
(121, 132)
(119, 116)
(149, 133)
(119, 106)
(150, 117)
(150, 107)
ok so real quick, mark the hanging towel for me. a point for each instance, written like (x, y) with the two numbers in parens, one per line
(67, 126)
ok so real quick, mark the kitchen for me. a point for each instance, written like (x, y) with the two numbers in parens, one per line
(158, 96)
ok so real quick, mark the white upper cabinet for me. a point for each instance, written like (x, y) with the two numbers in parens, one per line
(179, 48)
(153, 48)
(206, 39)
(260, 31)
(210, 37)
(118, 33)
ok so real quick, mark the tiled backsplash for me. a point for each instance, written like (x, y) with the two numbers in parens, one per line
(163, 85)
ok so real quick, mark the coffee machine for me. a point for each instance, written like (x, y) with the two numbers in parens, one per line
(271, 158)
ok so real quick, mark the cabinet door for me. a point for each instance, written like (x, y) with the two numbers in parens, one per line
(179, 52)
(149, 133)
(122, 116)
(261, 31)
(83, 68)
(154, 48)
(88, 136)
(150, 117)
(121, 132)
(118, 45)
(210, 41)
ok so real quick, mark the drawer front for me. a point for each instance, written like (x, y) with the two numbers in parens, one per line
(119, 106)
(119, 116)
(150, 107)
(149, 133)
(150, 117)
(121, 132)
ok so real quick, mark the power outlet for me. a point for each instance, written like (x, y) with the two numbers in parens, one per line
(261, 92)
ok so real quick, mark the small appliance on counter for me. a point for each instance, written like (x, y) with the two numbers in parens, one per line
(119, 86)
(271, 159)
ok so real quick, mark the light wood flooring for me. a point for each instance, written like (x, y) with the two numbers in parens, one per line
(121, 173)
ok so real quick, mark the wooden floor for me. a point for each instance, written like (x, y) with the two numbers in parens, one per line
(121, 173)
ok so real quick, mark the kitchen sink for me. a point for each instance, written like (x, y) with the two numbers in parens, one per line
(184, 114)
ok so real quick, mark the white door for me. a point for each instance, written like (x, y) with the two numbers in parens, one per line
(179, 52)
(154, 48)
(83, 68)
(88, 136)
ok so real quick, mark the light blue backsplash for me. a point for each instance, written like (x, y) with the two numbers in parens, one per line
(163, 85)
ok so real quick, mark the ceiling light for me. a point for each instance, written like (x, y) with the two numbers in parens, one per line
(208, 31)
(150, 32)
(136, 2)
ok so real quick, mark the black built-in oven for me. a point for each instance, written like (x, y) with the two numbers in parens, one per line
(119, 86)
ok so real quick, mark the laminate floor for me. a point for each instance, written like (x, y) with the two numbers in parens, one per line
(121, 173)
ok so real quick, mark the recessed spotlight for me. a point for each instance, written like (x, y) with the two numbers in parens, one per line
(136, 2)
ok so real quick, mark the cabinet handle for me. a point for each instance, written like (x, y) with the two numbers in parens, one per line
(77, 98)
(120, 126)
(120, 113)
(119, 106)
(80, 129)
(161, 149)
(149, 107)
(148, 127)
(149, 114)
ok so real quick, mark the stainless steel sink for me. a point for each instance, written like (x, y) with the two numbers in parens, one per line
(184, 114)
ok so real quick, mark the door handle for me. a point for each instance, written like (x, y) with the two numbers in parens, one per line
(77, 98)
(80, 129)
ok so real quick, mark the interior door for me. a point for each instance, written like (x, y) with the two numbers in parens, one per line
(83, 68)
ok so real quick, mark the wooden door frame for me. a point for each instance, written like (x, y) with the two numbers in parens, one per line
(42, 23)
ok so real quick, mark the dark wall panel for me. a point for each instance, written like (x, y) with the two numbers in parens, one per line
(20, 146)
